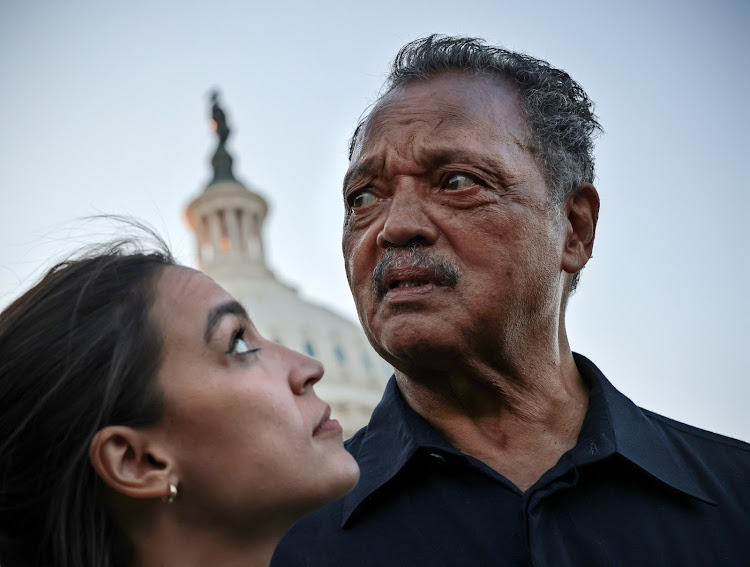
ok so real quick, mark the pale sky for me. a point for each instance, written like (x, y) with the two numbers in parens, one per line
(104, 110)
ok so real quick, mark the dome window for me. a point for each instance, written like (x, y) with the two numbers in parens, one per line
(309, 348)
(340, 356)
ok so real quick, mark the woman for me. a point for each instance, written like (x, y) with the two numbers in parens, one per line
(144, 421)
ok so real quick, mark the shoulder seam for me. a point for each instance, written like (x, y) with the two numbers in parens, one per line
(698, 432)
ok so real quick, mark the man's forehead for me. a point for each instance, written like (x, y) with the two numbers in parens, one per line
(451, 101)
(459, 111)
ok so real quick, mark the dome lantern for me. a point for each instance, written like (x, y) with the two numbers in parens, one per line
(227, 218)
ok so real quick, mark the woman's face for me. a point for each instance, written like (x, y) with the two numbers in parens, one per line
(248, 434)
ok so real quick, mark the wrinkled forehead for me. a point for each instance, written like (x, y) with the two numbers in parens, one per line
(454, 101)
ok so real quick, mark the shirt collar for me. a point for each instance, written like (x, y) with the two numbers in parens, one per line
(633, 434)
(394, 434)
(613, 422)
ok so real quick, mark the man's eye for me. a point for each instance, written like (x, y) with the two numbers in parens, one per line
(458, 181)
(361, 199)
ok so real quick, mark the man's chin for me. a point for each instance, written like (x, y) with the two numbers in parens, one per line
(409, 354)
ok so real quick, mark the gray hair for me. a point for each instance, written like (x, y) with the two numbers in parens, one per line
(559, 113)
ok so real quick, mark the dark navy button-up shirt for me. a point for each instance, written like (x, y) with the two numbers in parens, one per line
(638, 489)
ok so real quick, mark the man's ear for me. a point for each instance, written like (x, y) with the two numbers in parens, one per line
(581, 215)
(130, 462)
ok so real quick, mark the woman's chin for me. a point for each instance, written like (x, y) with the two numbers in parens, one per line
(344, 476)
(352, 475)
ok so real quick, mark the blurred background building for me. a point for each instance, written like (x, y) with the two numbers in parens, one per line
(227, 219)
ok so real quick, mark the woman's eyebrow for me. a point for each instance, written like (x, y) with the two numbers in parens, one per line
(214, 316)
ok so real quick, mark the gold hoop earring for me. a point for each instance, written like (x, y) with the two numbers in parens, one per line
(171, 495)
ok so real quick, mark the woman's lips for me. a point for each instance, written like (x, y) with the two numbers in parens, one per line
(327, 425)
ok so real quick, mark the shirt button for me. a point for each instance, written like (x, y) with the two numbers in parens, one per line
(438, 458)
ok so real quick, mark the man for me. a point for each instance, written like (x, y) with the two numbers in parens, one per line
(470, 212)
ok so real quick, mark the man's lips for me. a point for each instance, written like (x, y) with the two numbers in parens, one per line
(412, 267)
(408, 283)
(408, 277)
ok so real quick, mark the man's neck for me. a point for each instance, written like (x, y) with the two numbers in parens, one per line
(518, 422)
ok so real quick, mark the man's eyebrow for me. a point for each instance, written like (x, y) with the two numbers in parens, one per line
(433, 157)
(493, 163)
(440, 156)
(215, 315)
(365, 168)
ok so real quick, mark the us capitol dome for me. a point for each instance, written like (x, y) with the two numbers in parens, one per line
(227, 220)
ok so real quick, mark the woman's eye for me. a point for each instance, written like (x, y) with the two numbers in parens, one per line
(458, 181)
(361, 199)
(238, 345)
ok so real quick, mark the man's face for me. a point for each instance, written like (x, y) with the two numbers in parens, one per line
(449, 246)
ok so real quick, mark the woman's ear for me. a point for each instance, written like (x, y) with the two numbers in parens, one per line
(130, 462)
(582, 214)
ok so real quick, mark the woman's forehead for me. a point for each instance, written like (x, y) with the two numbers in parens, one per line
(184, 293)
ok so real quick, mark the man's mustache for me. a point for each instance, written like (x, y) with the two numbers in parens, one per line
(413, 256)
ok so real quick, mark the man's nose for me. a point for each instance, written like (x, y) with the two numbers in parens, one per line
(407, 220)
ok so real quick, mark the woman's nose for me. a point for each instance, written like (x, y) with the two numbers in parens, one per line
(304, 372)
